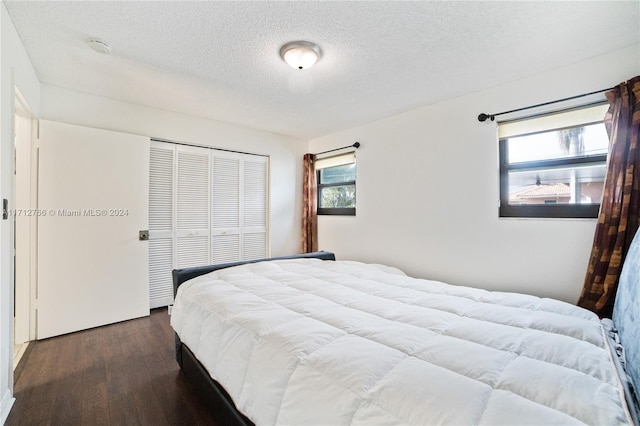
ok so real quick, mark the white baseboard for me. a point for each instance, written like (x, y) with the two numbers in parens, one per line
(5, 406)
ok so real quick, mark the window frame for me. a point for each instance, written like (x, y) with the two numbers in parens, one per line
(553, 211)
(333, 211)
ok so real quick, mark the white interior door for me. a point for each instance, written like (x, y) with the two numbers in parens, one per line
(92, 201)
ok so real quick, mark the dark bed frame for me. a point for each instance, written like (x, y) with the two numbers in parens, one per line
(626, 316)
(212, 392)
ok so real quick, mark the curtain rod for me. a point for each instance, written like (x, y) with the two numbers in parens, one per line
(355, 145)
(492, 117)
(208, 147)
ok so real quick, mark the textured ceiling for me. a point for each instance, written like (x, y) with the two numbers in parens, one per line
(220, 59)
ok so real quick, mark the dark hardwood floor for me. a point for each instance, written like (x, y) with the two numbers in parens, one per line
(120, 374)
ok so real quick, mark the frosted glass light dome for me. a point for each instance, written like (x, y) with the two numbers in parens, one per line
(300, 54)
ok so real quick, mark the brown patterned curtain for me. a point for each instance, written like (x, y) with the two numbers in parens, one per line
(309, 206)
(618, 218)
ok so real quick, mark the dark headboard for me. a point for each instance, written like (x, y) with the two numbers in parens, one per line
(185, 274)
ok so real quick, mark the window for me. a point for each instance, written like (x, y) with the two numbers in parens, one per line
(337, 185)
(554, 165)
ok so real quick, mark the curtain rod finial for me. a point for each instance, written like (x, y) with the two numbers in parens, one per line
(356, 145)
(483, 117)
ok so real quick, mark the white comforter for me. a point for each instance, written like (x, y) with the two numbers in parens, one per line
(319, 342)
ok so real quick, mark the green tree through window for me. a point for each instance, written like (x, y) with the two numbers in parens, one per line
(337, 190)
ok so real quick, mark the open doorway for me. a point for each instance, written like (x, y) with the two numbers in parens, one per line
(24, 214)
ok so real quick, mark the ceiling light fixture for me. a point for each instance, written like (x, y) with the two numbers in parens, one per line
(99, 46)
(300, 54)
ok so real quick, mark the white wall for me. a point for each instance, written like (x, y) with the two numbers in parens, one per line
(285, 152)
(427, 191)
(15, 71)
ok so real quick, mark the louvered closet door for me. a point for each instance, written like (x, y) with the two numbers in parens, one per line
(239, 207)
(192, 212)
(255, 203)
(205, 206)
(161, 207)
(225, 207)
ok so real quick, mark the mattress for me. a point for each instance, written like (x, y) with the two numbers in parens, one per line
(316, 342)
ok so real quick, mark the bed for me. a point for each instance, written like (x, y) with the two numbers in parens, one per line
(310, 340)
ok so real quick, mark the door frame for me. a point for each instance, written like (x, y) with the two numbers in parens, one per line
(25, 202)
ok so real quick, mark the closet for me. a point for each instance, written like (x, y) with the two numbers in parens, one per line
(205, 206)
